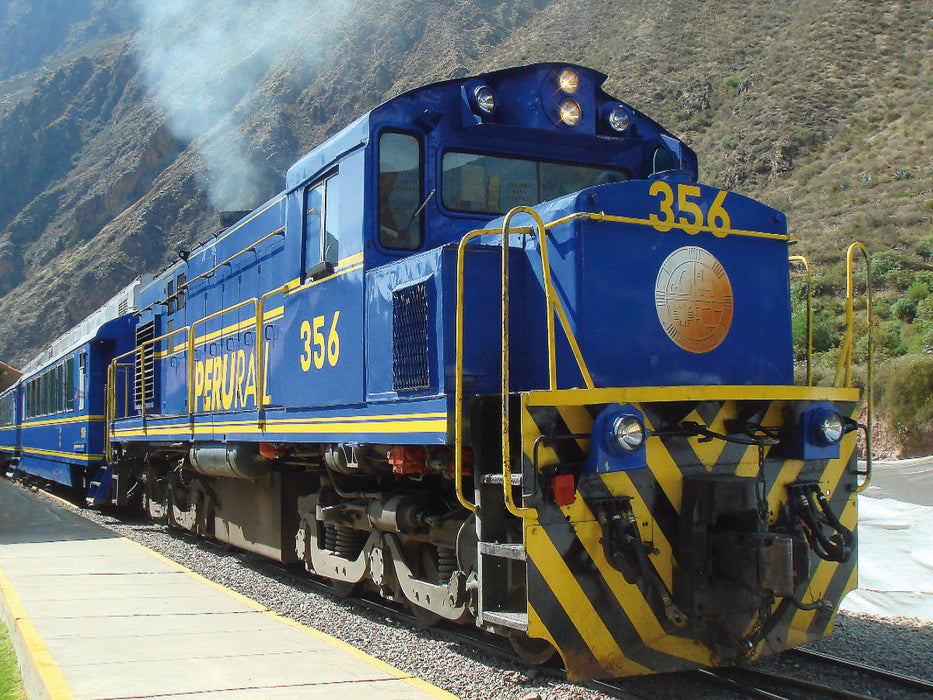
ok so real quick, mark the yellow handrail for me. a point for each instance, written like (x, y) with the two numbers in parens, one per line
(252, 246)
(458, 376)
(110, 388)
(261, 347)
(844, 367)
(806, 264)
(191, 338)
(552, 304)
(514, 508)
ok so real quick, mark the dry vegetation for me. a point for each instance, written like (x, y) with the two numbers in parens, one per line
(823, 110)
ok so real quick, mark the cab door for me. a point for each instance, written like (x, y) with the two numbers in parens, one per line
(317, 358)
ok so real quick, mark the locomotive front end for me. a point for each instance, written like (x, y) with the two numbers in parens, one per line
(679, 527)
(682, 502)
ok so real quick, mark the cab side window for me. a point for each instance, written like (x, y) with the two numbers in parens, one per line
(322, 222)
(401, 203)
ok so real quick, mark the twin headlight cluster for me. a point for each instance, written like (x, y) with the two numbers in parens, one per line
(812, 431)
(569, 109)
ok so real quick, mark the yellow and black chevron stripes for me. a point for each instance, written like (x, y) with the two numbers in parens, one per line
(577, 599)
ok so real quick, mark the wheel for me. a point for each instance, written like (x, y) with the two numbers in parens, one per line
(343, 589)
(425, 617)
(534, 651)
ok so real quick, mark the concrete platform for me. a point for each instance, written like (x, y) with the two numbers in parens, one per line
(94, 615)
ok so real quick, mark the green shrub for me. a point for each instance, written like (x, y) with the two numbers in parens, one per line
(883, 263)
(904, 309)
(732, 82)
(917, 291)
(904, 394)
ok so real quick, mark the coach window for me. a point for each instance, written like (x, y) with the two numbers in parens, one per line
(82, 380)
(70, 384)
(6, 409)
(400, 203)
(60, 388)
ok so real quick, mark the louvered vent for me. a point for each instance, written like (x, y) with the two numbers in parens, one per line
(123, 307)
(410, 338)
(145, 366)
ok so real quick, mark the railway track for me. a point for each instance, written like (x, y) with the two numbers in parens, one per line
(849, 678)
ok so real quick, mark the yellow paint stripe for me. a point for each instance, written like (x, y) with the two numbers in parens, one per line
(336, 274)
(822, 577)
(656, 394)
(664, 468)
(579, 608)
(578, 420)
(720, 233)
(247, 324)
(60, 421)
(388, 427)
(326, 420)
(248, 219)
(418, 683)
(546, 455)
(80, 456)
(17, 618)
(631, 599)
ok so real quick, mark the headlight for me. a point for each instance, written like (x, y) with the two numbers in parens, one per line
(568, 81)
(628, 433)
(485, 100)
(619, 119)
(831, 428)
(570, 112)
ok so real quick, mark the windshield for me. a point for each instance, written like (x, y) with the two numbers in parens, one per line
(486, 184)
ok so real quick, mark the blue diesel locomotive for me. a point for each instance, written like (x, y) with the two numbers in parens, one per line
(492, 353)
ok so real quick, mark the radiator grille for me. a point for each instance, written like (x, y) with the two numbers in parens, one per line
(410, 338)
(145, 366)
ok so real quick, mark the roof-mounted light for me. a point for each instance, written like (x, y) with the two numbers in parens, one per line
(570, 112)
(619, 119)
(568, 81)
(485, 99)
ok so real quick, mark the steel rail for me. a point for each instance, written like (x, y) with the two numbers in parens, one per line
(867, 669)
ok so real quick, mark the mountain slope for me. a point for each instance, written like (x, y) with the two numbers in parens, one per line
(119, 147)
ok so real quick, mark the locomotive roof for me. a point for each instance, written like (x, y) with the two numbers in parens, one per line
(522, 105)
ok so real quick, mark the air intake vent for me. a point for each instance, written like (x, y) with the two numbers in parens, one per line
(123, 307)
(410, 338)
(145, 366)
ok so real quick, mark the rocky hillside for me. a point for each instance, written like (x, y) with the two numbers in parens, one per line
(125, 125)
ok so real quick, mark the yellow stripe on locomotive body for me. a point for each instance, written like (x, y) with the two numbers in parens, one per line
(664, 617)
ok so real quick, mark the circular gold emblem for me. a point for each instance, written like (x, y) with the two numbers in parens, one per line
(694, 299)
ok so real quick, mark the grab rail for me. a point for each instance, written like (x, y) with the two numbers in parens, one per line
(844, 367)
(191, 341)
(552, 306)
(261, 347)
(110, 391)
